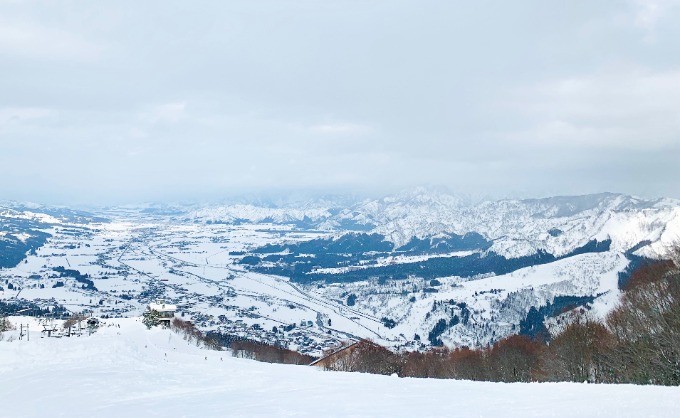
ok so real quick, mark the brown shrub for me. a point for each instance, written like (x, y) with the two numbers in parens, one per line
(190, 333)
(514, 359)
(650, 272)
(581, 352)
(268, 353)
(437, 363)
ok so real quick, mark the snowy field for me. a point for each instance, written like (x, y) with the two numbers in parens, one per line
(123, 370)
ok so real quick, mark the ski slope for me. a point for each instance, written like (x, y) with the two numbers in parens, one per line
(125, 370)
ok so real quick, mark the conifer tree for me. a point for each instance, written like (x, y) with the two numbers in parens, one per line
(150, 319)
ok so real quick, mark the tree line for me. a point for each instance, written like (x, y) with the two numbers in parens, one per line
(638, 342)
(244, 347)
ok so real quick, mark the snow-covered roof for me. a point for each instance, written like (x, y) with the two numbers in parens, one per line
(160, 306)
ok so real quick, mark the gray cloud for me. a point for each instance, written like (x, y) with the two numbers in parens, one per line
(126, 101)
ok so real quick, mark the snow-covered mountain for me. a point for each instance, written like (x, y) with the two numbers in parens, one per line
(258, 214)
(517, 228)
(44, 214)
(557, 225)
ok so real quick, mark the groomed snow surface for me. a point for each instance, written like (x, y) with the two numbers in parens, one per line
(124, 370)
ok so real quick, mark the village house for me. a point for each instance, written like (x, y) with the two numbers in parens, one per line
(166, 312)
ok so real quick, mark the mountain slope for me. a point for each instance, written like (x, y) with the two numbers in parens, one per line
(125, 370)
(557, 225)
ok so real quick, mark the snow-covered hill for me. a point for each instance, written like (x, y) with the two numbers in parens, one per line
(44, 214)
(125, 370)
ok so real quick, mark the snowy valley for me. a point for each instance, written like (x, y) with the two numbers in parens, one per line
(408, 271)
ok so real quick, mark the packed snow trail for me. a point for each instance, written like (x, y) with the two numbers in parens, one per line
(130, 371)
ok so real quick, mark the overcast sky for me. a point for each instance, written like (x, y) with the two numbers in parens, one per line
(122, 101)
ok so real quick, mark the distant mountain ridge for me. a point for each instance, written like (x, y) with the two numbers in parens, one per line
(517, 228)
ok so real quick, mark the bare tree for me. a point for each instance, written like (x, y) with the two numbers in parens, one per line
(71, 322)
(514, 359)
(646, 328)
(581, 352)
